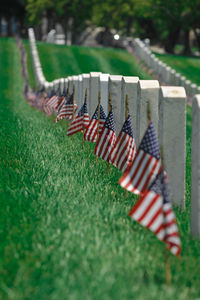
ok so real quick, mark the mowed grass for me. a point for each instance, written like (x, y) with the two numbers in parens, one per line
(64, 229)
(185, 65)
(62, 61)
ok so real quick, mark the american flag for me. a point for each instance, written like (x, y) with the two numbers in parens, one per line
(154, 211)
(106, 139)
(60, 103)
(91, 131)
(80, 122)
(67, 109)
(50, 104)
(146, 164)
(123, 151)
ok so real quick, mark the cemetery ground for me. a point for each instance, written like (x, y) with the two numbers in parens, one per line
(64, 229)
(188, 66)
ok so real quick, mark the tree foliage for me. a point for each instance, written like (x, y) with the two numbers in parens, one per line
(160, 20)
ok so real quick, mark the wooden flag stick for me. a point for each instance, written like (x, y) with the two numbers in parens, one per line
(99, 103)
(148, 112)
(126, 116)
(68, 122)
(109, 103)
(83, 138)
(167, 267)
(126, 107)
(83, 127)
(109, 109)
(167, 264)
(73, 103)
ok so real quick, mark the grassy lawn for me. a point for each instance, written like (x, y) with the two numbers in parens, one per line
(187, 66)
(64, 229)
(62, 61)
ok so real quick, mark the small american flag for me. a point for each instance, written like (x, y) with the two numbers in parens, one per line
(154, 211)
(67, 109)
(123, 152)
(106, 139)
(60, 103)
(91, 131)
(50, 104)
(80, 122)
(146, 164)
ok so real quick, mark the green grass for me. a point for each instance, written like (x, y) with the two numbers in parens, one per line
(64, 229)
(185, 65)
(62, 61)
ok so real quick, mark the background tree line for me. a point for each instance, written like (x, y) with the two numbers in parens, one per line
(160, 20)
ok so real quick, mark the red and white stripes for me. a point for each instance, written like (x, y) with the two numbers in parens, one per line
(123, 152)
(141, 173)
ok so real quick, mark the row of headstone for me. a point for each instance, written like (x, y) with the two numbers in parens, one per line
(166, 74)
(168, 113)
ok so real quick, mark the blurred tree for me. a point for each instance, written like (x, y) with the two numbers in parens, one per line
(16, 9)
(73, 14)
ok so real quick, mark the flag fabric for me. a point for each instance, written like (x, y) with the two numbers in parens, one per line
(80, 122)
(67, 109)
(154, 211)
(146, 164)
(123, 151)
(91, 131)
(50, 104)
(106, 139)
(60, 103)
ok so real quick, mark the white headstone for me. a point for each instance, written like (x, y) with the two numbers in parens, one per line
(103, 84)
(76, 89)
(86, 85)
(148, 91)
(195, 190)
(115, 90)
(80, 91)
(94, 91)
(70, 84)
(130, 87)
(172, 137)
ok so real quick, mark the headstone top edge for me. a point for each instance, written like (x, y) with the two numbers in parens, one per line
(85, 75)
(149, 84)
(173, 92)
(196, 100)
(104, 77)
(116, 77)
(95, 74)
(130, 79)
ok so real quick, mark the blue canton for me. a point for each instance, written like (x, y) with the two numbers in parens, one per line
(109, 123)
(49, 95)
(65, 92)
(149, 143)
(127, 127)
(83, 110)
(160, 187)
(102, 114)
(70, 99)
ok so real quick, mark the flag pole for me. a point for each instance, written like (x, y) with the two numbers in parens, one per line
(68, 122)
(148, 112)
(99, 103)
(83, 124)
(126, 110)
(126, 116)
(167, 264)
(73, 102)
(109, 109)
